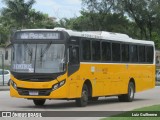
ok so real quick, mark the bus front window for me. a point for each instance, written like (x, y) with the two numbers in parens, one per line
(38, 58)
(49, 58)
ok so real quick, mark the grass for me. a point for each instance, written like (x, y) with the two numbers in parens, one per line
(152, 109)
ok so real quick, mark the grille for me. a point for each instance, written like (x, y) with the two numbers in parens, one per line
(41, 92)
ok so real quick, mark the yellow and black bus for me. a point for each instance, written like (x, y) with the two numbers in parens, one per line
(81, 66)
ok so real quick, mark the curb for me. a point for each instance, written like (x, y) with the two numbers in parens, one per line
(4, 88)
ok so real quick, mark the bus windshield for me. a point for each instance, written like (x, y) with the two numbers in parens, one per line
(38, 58)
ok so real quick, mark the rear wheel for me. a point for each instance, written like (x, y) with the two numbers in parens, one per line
(39, 102)
(121, 98)
(81, 102)
(130, 95)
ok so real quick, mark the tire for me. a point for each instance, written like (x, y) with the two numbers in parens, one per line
(39, 102)
(130, 95)
(93, 99)
(83, 101)
(121, 98)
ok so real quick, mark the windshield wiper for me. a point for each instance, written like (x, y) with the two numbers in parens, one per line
(29, 50)
(45, 50)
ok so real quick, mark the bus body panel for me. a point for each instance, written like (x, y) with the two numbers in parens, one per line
(61, 92)
(113, 79)
(106, 80)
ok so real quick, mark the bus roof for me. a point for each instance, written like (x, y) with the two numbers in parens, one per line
(97, 34)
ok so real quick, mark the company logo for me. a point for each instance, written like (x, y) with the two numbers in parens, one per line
(6, 114)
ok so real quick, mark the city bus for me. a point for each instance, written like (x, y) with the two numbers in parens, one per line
(82, 66)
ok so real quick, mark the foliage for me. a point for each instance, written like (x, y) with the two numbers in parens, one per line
(18, 11)
(18, 14)
(143, 12)
(156, 39)
(3, 32)
(39, 20)
(137, 18)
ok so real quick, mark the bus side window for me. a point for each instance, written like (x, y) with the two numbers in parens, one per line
(133, 53)
(150, 54)
(106, 51)
(96, 56)
(116, 52)
(73, 55)
(141, 53)
(125, 52)
(86, 50)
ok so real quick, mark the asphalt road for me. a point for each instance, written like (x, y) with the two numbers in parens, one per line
(146, 98)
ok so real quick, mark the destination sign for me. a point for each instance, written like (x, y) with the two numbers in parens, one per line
(38, 35)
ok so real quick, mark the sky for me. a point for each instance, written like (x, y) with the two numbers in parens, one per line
(57, 8)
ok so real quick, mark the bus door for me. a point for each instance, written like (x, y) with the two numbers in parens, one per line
(73, 66)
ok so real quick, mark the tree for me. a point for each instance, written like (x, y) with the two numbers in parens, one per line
(4, 31)
(156, 39)
(19, 14)
(94, 7)
(98, 15)
(143, 12)
(40, 20)
(18, 11)
(110, 22)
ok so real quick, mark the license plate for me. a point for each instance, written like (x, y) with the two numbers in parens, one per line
(33, 92)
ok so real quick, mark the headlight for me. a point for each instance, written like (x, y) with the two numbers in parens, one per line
(58, 85)
(55, 87)
(13, 84)
(62, 83)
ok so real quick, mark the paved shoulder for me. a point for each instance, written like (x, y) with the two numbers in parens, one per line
(4, 88)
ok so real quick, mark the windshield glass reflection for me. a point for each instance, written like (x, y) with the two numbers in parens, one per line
(38, 58)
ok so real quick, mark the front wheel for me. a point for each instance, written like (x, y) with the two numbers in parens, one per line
(83, 100)
(93, 98)
(130, 95)
(39, 102)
